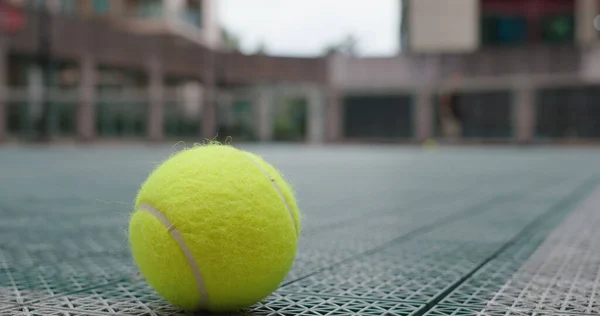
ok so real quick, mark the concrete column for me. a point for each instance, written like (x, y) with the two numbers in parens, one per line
(316, 116)
(117, 8)
(524, 114)
(35, 97)
(423, 115)
(209, 109)
(585, 13)
(210, 25)
(335, 67)
(84, 8)
(86, 107)
(335, 115)
(263, 116)
(156, 100)
(590, 63)
(3, 89)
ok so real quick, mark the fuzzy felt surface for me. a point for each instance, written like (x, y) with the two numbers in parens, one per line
(231, 217)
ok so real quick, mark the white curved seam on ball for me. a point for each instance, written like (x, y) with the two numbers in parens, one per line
(186, 251)
(287, 206)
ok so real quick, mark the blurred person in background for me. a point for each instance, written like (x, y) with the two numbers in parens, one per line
(450, 116)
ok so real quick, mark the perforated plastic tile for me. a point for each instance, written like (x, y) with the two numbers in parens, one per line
(309, 261)
(34, 245)
(23, 284)
(386, 232)
(130, 297)
(563, 274)
(452, 310)
(135, 298)
(6, 306)
(482, 286)
(291, 304)
(322, 250)
(385, 277)
(424, 267)
(40, 311)
(34, 310)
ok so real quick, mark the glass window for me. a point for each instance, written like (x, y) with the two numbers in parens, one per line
(101, 6)
(193, 12)
(378, 116)
(67, 6)
(35, 4)
(558, 28)
(503, 30)
(193, 17)
(150, 9)
(568, 113)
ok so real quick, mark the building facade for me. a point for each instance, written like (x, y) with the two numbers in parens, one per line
(193, 19)
(137, 69)
(474, 71)
(518, 71)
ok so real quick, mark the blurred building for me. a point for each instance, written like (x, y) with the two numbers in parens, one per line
(470, 25)
(507, 71)
(192, 19)
(138, 69)
(513, 71)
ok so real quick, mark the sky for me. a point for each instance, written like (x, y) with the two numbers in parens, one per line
(305, 28)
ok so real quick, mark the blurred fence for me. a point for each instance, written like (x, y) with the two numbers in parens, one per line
(572, 112)
(378, 116)
(482, 115)
(125, 114)
(23, 111)
(121, 115)
(273, 114)
(503, 115)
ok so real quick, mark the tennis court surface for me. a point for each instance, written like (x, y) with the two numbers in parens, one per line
(387, 231)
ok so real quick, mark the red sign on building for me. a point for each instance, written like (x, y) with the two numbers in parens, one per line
(12, 18)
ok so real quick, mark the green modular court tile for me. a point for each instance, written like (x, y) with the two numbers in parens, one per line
(453, 310)
(546, 269)
(385, 277)
(293, 304)
(420, 208)
(50, 223)
(496, 224)
(565, 283)
(430, 271)
(353, 239)
(136, 298)
(7, 306)
(65, 208)
(131, 297)
(553, 297)
(470, 239)
(36, 233)
(35, 246)
(375, 218)
(399, 226)
(32, 310)
(317, 253)
(33, 283)
(425, 248)
(33, 288)
(480, 288)
(310, 261)
(387, 235)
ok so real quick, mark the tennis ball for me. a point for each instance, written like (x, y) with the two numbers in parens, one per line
(215, 228)
(430, 144)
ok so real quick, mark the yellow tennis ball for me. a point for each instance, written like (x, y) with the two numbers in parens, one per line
(215, 228)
